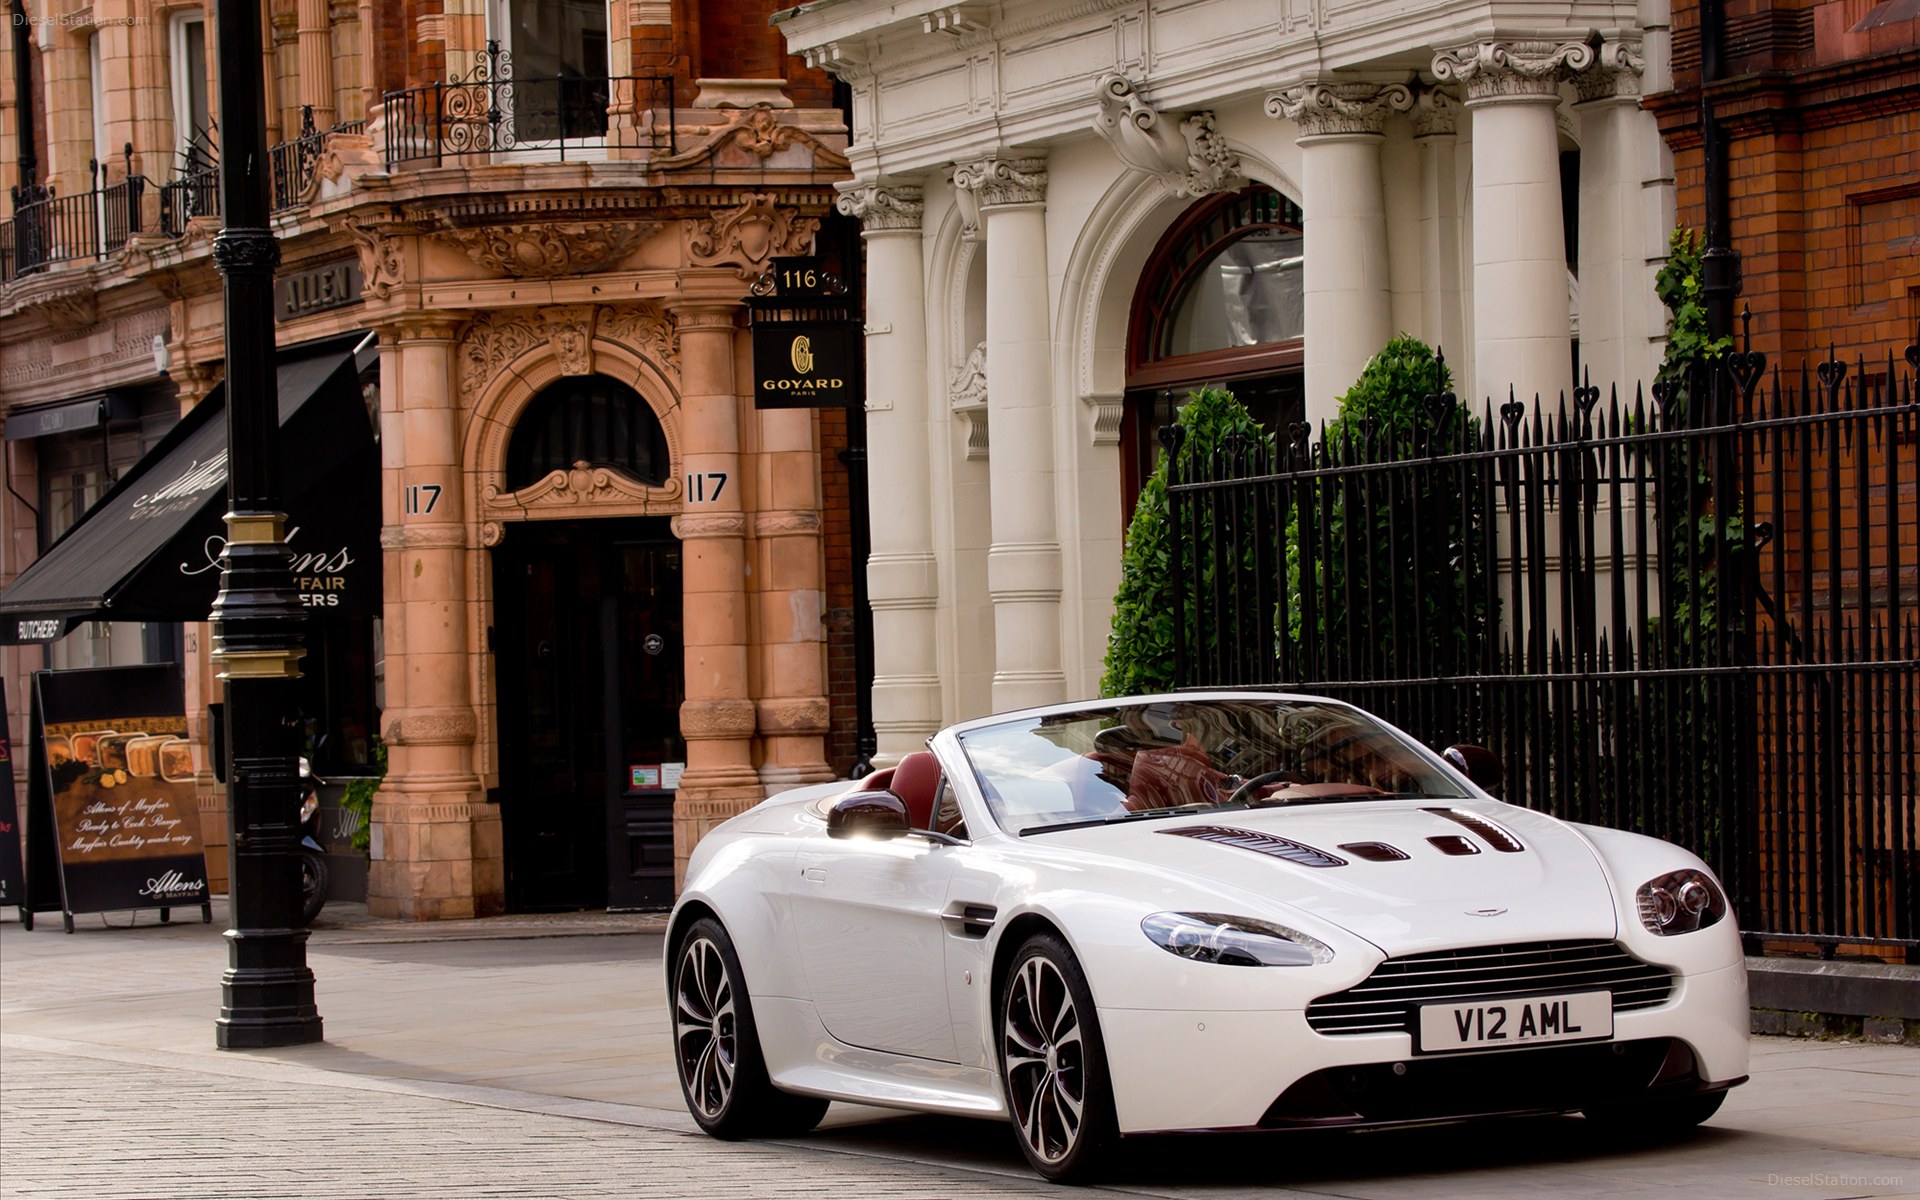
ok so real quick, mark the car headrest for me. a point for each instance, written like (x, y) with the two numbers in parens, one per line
(916, 780)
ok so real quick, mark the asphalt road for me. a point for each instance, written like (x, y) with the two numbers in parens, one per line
(533, 1064)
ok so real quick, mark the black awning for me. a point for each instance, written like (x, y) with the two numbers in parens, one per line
(149, 550)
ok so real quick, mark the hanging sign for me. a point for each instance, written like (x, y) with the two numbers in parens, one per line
(806, 364)
(111, 789)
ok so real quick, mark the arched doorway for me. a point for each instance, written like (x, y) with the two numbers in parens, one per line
(589, 660)
(1219, 302)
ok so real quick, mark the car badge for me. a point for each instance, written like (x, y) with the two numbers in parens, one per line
(1485, 912)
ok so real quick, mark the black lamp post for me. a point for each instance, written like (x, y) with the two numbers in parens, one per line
(1719, 262)
(267, 991)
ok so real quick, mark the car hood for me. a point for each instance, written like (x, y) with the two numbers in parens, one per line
(1552, 887)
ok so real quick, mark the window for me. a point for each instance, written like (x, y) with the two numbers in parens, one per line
(559, 57)
(590, 419)
(191, 114)
(1220, 302)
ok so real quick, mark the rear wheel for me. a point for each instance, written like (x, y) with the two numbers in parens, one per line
(1053, 1063)
(717, 1048)
(313, 886)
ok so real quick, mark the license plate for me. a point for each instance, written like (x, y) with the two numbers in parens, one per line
(1521, 1021)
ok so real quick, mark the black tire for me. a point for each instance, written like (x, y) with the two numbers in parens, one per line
(313, 886)
(1053, 1063)
(716, 1046)
(1655, 1119)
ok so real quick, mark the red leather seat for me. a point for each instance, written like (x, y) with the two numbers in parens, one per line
(916, 780)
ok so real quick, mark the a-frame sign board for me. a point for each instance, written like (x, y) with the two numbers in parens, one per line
(112, 819)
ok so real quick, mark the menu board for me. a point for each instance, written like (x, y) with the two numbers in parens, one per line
(116, 769)
(12, 880)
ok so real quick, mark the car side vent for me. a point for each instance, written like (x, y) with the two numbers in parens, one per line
(1453, 843)
(1494, 835)
(1375, 851)
(970, 920)
(1294, 852)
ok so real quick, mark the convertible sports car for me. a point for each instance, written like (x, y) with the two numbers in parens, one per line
(1203, 911)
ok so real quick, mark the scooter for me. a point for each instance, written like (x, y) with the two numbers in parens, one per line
(313, 855)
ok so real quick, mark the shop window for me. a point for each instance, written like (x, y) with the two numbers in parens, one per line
(590, 419)
(1220, 302)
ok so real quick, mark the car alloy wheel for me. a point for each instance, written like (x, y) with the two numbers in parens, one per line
(1052, 1061)
(705, 1027)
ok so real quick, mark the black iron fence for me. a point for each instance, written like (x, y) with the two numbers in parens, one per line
(47, 230)
(488, 111)
(1701, 624)
(295, 161)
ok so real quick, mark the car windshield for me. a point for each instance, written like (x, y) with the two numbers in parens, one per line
(1136, 761)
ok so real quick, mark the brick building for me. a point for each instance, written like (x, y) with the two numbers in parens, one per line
(525, 230)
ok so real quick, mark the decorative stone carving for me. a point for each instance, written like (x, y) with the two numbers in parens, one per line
(1109, 408)
(569, 330)
(1616, 70)
(994, 182)
(713, 525)
(760, 134)
(565, 248)
(706, 720)
(71, 312)
(644, 328)
(429, 727)
(580, 485)
(1340, 109)
(788, 523)
(792, 716)
(422, 537)
(492, 340)
(1434, 113)
(882, 207)
(381, 269)
(967, 396)
(1512, 70)
(1189, 158)
(746, 237)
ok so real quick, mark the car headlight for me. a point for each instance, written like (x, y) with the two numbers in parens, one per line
(1681, 902)
(1233, 941)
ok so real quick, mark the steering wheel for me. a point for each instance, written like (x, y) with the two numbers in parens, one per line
(1254, 783)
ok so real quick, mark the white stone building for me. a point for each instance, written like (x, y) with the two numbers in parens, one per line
(1074, 212)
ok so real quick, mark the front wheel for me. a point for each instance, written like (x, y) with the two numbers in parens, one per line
(1053, 1063)
(717, 1048)
(313, 886)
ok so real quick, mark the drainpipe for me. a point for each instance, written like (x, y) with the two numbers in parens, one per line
(1720, 263)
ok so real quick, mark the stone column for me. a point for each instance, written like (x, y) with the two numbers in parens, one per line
(717, 718)
(1023, 563)
(1622, 235)
(1520, 309)
(790, 705)
(1345, 280)
(437, 849)
(902, 581)
(316, 61)
(1441, 320)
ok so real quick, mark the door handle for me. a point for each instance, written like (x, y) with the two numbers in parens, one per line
(814, 874)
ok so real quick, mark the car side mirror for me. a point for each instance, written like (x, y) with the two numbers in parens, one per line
(876, 814)
(1478, 764)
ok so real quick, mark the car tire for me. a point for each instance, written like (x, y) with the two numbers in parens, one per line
(716, 1046)
(1053, 1064)
(313, 886)
(1655, 1118)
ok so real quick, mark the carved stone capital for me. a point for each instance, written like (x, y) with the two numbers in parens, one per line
(1616, 70)
(1435, 113)
(882, 207)
(795, 716)
(715, 720)
(563, 248)
(1340, 109)
(1188, 156)
(995, 182)
(1496, 71)
(746, 237)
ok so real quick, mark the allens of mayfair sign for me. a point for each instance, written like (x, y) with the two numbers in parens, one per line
(806, 344)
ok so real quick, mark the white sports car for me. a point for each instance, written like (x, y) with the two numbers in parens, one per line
(1203, 911)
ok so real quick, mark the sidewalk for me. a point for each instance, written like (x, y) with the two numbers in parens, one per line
(557, 1026)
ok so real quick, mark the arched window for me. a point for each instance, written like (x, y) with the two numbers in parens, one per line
(1219, 302)
(590, 419)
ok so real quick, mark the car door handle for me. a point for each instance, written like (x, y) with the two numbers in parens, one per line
(814, 874)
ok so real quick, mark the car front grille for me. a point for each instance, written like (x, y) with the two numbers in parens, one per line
(1389, 1000)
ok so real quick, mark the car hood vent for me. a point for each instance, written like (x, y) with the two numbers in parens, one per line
(1494, 835)
(1375, 851)
(1261, 843)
